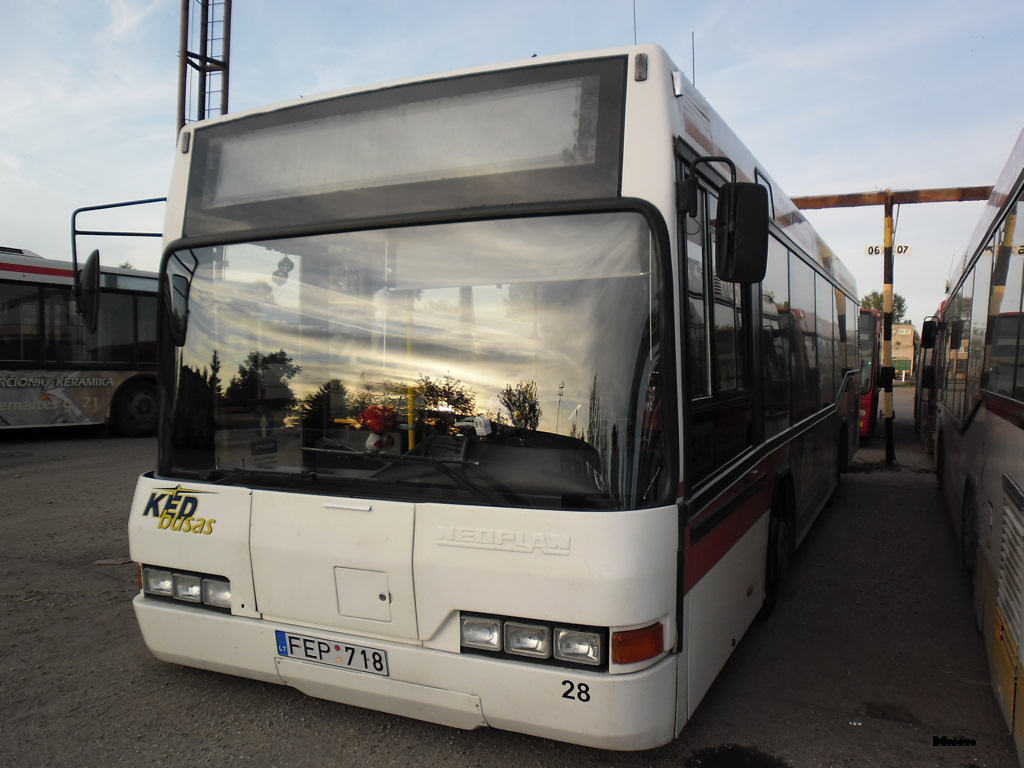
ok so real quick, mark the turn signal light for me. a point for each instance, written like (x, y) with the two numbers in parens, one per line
(633, 645)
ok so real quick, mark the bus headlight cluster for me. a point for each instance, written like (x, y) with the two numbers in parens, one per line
(213, 591)
(530, 640)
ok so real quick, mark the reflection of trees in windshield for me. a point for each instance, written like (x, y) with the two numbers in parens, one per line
(522, 404)
(314, 410)
(264, 377)
(433, 403)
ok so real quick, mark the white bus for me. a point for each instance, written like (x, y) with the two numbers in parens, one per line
(54, 370)
(979, 428)
(478, 405)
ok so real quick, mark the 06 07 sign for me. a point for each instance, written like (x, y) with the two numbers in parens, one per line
(897, 250)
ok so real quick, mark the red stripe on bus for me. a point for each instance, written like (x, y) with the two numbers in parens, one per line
(1005, 408)
(34, 270)
(701, 556)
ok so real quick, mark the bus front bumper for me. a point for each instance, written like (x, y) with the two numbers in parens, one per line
(620, 712)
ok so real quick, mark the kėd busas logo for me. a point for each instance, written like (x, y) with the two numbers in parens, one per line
(174, 509)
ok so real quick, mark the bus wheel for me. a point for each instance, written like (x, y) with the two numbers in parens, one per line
(136, 410)
(780, 553)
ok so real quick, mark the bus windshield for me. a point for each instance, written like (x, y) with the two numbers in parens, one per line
(507, 362)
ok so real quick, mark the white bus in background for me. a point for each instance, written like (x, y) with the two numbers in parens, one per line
(54, 371)
(495, 398)
(978, 358)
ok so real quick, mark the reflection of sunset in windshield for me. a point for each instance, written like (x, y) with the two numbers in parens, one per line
(487, 321)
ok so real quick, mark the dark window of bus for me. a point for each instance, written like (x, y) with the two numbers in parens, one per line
(19, 322)
(803, 339)
(959, 320)
(145, 318)
(64, 332)
(696, 308)
(721, 427)
(1005, 357)
(114, 339)
(824, 298)
(979, 315)
(852, 349)
(729, 370)
(775, 352)
(842, 309)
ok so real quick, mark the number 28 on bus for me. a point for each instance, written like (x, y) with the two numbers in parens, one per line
(520, 379)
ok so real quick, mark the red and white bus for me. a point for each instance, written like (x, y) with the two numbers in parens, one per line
(495, 398)
(978, 346)
(870, 384)
(56, 372)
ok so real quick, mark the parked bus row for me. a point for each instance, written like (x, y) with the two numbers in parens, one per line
(970, 409)
(496, 398)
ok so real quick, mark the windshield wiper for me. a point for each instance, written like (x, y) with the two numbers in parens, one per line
(443, 463)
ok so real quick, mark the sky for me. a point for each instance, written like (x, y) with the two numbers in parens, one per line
(831, 97)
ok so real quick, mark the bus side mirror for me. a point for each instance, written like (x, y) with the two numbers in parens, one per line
(928, 333)
(89, 292)
(741, 237)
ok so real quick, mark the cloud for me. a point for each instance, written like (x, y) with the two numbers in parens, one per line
(126, 17)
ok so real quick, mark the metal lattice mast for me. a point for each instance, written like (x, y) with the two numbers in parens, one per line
(204, 53)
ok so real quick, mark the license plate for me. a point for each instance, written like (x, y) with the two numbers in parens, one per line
(345, 655)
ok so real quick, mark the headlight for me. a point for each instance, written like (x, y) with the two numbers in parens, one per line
(213, 591)
(578, 647)
(217, 592)
(188, 587)
(528, 640)
(543, 642)
(157, 582)
(481, 632)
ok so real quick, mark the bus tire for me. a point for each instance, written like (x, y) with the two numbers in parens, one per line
(780, 551)
(135, 411)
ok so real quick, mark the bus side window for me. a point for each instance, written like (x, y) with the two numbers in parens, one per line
(803, 348)
(824, 309)
(775, 339)
(63, 327)
(729, 371)
(19, 322)
(696, 308)
(1005, 364)
(717, 355)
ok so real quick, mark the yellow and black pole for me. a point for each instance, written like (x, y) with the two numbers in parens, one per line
(888, 372)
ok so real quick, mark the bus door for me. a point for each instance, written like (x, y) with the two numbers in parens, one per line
(728, 495)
